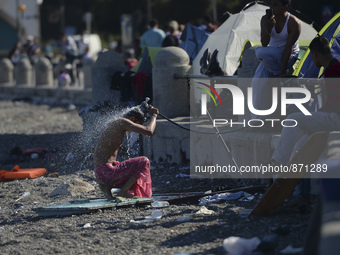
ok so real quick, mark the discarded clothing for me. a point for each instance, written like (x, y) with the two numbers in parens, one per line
(138, 84)
(116, 173)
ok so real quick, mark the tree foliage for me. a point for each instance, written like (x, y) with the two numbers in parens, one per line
(107, 13)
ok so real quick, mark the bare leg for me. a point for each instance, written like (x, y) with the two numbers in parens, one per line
(107, 191)
(127, 185)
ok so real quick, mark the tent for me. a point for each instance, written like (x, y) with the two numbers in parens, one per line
(229, 38)
(331, 31)
(146, 61)
(193, 40)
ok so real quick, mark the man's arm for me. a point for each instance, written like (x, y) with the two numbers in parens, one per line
(266, 29)
(294, 31)
(128, 125)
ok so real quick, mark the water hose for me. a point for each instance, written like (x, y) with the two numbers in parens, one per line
(145, 106)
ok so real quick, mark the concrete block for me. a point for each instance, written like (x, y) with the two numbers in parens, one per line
(101, 82)
(87, 69)
(243, 147)
(176, 140)
(244, 84)
(109, 58)
(23, 73)
(172, 97)
(6, 72)
(106, 65)
(43, 72)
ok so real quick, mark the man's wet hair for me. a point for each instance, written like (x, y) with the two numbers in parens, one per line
(321, 45)
(136, 112)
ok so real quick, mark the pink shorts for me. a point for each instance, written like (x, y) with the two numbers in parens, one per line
(112, 174)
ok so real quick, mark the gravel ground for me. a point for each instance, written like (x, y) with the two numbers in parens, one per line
(58, 129)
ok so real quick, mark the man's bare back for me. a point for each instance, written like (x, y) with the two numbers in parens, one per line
(112, 137)
(109, 142)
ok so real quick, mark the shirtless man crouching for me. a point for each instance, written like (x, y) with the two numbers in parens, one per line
(132, 176)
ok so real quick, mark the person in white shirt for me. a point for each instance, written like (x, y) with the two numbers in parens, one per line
(280, 32)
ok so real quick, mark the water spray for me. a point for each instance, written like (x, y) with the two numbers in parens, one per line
(145, 106)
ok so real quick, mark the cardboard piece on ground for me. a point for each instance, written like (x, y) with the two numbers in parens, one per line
(281, 188)
(89, 205)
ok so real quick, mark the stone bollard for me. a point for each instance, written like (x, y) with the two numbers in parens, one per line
(23, 73)
(245, 75)
(6, 72)
(171, 96)
(43, 73)
(107, 63)
(87, 70)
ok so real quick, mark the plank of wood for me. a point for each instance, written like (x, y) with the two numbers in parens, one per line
(283, 186)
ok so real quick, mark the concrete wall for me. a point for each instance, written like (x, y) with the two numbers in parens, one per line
(172, 97)
(169, 95)
(37, 82)
(169, 142)
(106, 64)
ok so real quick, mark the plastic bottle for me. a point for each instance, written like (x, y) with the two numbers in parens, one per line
(158, 204)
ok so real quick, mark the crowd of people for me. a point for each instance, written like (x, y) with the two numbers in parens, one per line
(74, 53)
(29, 50)
(171, 34)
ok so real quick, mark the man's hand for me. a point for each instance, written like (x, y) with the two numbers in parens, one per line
(269, 23)
(266, 29)
(153, 111)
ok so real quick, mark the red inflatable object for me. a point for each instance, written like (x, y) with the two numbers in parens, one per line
(17, 173)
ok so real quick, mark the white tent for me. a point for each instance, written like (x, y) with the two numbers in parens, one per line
(229, 38)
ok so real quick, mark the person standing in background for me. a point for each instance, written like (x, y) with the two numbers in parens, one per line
(154, 36)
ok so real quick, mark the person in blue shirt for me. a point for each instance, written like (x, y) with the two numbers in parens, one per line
(154, 36)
